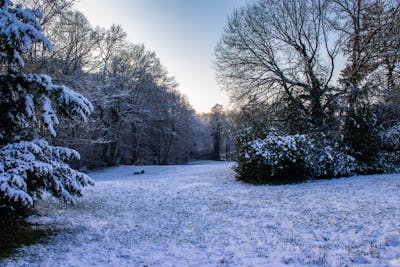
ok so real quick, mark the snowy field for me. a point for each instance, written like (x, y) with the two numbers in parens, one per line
(198, 215)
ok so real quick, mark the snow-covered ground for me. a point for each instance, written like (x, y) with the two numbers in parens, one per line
(198, 215)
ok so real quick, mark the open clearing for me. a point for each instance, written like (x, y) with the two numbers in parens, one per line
(198, 215)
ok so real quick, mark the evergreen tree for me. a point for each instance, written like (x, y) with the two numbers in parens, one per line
(29, 104)
(361, 135)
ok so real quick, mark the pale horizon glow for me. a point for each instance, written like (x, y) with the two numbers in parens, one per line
(183, 33)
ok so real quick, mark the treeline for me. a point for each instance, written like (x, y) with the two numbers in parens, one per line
(298, 115)
(139, 115)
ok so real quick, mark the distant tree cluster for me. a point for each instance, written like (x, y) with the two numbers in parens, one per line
(279, 61)
(217, 138)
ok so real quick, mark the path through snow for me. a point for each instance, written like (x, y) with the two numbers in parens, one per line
(198, 215)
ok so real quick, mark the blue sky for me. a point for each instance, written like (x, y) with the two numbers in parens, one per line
(183, 33)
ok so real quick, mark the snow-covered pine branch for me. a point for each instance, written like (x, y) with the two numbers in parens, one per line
(42, 100)
(19, 30)
(29, 168)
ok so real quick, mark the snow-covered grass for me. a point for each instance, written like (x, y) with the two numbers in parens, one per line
(198, 215)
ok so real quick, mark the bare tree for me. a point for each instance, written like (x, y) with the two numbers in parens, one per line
(113, 39)
(280, 51)
(75, 41)
(49, 9)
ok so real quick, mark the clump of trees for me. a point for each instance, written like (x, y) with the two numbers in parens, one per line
(278, 60)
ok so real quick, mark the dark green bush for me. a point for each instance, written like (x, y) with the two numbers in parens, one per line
(291, 158)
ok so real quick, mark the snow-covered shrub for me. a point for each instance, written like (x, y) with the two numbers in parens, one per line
(325, 161)
(290, 158)
(275, 159)
(388, 162)
(388, 158)
(29, 104)
(390, 138)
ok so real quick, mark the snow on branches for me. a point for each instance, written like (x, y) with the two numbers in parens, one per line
(35, 93)
(27, 169)
(19, 30)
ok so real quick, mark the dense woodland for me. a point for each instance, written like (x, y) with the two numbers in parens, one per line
(315, 87)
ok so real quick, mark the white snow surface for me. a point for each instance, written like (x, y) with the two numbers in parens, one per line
(199, 215)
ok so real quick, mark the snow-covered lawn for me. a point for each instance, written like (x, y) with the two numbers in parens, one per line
(198, 215)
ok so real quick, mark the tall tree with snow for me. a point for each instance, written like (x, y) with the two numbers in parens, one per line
(30, 106)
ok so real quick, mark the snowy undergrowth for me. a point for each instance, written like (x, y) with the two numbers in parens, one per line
(198, 215)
